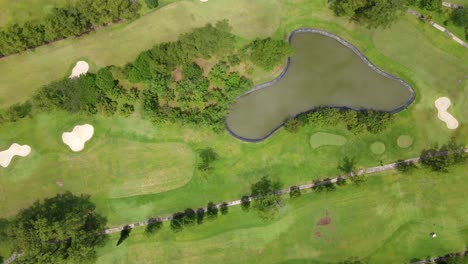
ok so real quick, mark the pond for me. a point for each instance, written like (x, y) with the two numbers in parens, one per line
(324, 70)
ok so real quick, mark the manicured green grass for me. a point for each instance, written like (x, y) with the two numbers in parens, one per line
(387, 220)
(23, 74)
(324, 139)
(23, 10)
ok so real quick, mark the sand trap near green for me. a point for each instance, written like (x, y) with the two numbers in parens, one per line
(377, 147)
(326, 139)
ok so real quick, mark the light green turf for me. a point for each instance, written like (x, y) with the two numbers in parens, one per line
(23, 74)
(324, 139)
(404, 141)
(377, 148)
(387, 220)
(23, 10)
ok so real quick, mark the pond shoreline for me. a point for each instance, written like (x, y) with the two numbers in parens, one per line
(286, 68)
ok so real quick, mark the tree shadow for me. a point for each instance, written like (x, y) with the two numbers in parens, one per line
(124, 234)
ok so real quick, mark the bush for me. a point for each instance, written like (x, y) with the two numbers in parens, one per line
(17, 112)
(405, 166)
(152, 3)
(234, 60)
(189, 216)
(294, 192)
(444, 157)
(177, 222)
(432, 5)
(341, 181)
(104, 79)
(224, 208)
(212, 210)
(127, 109)
(268, 53)
(293, 125)
(207, 156)
(245, 203)
(154, 225)
(200, 215)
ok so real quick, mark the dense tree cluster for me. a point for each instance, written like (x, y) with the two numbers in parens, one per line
(266, 202)
(355, 121)
(373, 13)
(268, 53)
(59, 229)
(60, 23)
(440, 159)
(459, 17)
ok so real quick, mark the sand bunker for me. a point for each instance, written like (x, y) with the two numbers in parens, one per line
(442, 104)
(14, 150)
(203, 0)
(404, 141)
(80, 68)
(377, 147)
(77, 138)
(326, 139)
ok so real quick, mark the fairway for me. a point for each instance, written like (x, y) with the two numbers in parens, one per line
(24, 73)
(387, 220)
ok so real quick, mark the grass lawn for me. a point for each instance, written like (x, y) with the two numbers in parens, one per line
(135, 169)
(387, 220)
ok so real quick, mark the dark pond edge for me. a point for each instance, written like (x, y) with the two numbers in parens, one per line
(286, 68)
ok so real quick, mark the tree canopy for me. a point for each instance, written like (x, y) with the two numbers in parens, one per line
(58, 229)
(266, 202)
(373, 13)
(268, 53)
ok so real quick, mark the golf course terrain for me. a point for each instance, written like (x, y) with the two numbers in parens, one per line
(171, 109)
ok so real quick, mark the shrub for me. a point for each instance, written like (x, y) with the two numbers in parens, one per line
(154, 225)
(224, 208)
(212, 210)
(245, 203)
(207, 156)
(127, 109)
(293, 125)
(152, 3)
(294, 192)
(405, 166)
(268, 53)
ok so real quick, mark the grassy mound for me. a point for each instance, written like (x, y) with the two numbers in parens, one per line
(377, 147)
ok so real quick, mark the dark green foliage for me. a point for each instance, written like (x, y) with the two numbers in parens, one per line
(374, 121)
(293, 125)
(200, 215)
(104, 79)
(177, 222)
(107, 106)
(455, 260)
(144, 68)
(459, 17)
(294, 192)
(380, 13)
(268, 53)
(245, 203)
(124, 234)
(154, 225)
(341, 181)
(17, 112)
(329, 186)
(133, 94)
(150, 102)
(440, 159)
(127, 109)
(192, 72)
(318, 186)
(358, 180)
(234, 60)
(152, 3)
(432, 5)
(211, 210)
(266, 202)
(207, 156)
(218, 74)
(224, 208)
(64, 22)
(57, 230)
(405, 166)
(347, 165)
(189, 216)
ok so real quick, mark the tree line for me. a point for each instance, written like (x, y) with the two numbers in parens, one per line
(197, 97)
(63, 22)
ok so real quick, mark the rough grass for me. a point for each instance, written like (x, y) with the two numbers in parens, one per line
(23, 74)
(387, 220)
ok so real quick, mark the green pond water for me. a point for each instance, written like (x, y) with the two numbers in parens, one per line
(322, 72)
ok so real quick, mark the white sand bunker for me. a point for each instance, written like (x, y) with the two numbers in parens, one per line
(80, 68)
(442, 104)
(404, 141)
(77, 138)
(203, 0)
(14, 150)
(326, 139)
(377, 147)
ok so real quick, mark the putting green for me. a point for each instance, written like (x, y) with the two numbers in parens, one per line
(377, 147)
(404, 141)
(326, 139)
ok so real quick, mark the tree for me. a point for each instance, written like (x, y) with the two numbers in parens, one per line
(104, 79)
(124, 234)
(224, 208)
(266, 202)
(405, 166)
(152, 3)
(200, 215)
(431, 5)
(212, 210)
(294, 192)
(208, 156)
(58, 229)
(347, 165)
(341, 181)
(440, 159)
(268, 53)
(189, 216)
(127, 109)
(293, 125)
(358, 180)
(150, 102)
(245, 203)
(459, 17)
(456, 260)
(177, 222)
(373, 13)
(154, 225)
(192, 72)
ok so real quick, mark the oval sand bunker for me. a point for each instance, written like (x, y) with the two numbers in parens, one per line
(442, 104)
(80, 68)
(77, 138)
(14, 150)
